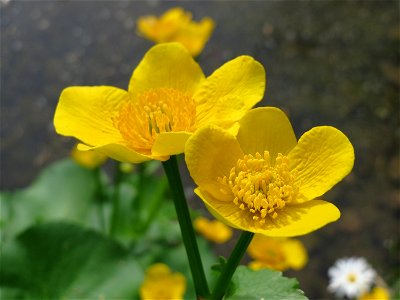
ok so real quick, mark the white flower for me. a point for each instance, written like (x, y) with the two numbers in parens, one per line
(350, 277)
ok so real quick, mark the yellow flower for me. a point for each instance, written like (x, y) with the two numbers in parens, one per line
(263, 180)
(377, 293)
(88, 159)
(167, 100)
(161, 283)
(214, 231)
(276, 253)
(176, 25)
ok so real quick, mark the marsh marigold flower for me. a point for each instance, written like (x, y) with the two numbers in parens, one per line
(263, 180)
(351, 277)
(161, 283)
(88, 159)
(276, 253)
(168, 99)
(176, 25)
(377, 293)
(213, 230)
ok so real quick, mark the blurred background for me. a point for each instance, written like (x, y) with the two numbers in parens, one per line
(328, 63)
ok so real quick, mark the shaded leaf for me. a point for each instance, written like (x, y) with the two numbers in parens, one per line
(62, 191)
(64, 261)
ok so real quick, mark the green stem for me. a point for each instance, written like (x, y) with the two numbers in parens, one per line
(231, 265)
(115, 199)
(185, 223)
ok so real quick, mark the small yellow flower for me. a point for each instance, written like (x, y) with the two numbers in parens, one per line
(167, 100)
(161, 283)
(377, 293)
(176, 25)
(88, 159)
(214, 231)
(263, 180)
(276, 253)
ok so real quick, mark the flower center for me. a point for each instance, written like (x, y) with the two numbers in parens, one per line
(351, 277)
(260, 187)
(155, 111)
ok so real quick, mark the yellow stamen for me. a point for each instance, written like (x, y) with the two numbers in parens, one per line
(260, 187)
(155, 111)
(351, 277)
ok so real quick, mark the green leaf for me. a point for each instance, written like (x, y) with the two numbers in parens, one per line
(220, 265)
(263, 284)
(63, 191)
(65, 261)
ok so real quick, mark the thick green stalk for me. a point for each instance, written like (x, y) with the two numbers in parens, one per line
(185, 223)
(231, 265)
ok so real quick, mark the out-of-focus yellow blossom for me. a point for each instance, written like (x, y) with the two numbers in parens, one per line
(88, 159)
(263, 180)
(168, 99)
(276, 253)
(213, 230)
(161, 283)
(377, 293)
(176, 25)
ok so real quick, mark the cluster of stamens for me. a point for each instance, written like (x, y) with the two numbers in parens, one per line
(153, 112)
(260, 187)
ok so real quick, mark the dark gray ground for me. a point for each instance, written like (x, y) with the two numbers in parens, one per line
(328, 63)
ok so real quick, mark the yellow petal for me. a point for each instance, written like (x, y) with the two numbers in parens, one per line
(86, 113)
(277, 253)
(213, 205)
(291, 221)
(211, 153)
(158, 270)
(176, 15)
(88, 159)
(121, 153)
(322, 158)
(166, 65)
(377, 293)
(161, 283)
(301, 219)
(212, 230)
(230, 91)
(170, 143)
(194, 36)
(295, 253)
(147, 27)
(266, 128)
(164, 28)
(256, 265)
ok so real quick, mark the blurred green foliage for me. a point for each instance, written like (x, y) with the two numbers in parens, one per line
(57, 242)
